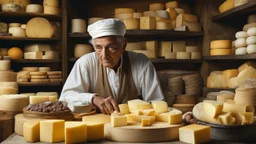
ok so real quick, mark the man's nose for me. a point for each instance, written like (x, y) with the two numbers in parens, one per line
(104, 53)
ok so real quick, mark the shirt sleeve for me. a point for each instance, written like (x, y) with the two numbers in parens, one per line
(75, 90)
(150, 85)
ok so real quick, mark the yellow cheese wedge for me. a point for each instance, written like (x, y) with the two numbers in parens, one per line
(227, 5)
(31, 131)
(160, 106)
(195, 134)
(75, 132)
(212, 108)
(124, 109)
(118, 120)
(138, 104)
(227, 119)
(174, 116)
(52, 131)
(145, 122)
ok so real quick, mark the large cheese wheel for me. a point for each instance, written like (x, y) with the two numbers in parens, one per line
(78, 26)
(227, 5)
(39, 28)
(215, 52)
(251, 40)
(17, 32)
(123, 10)
(250, 25)
(52, 10)
(241, 51)
(241, 34)
(82, 49)
(251, 31)
(241, 42)
(34, 8)
(156, 6)
(52, 3)
(221, 44)
(251, 18)
(132, 23)
(94, 19)
(251, 49)
(123, 16)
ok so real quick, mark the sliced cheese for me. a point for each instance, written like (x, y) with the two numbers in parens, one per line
(212, 108)
(138, 104)
(174, 116)
(118, 120)
(77, 128)
(52, 131)
(31, 131)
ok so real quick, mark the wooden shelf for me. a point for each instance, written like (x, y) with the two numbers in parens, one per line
(161, 60)
(12, 38)
(148, 33)
(217, 89)
(237, 12)
(25, 84)
(232, 57)
(36, 60)
(28, 15)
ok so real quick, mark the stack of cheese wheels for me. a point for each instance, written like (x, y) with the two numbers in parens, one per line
(126, 15)
(221, 47)
(39, 77)
(82, 49)
(245, 96)
(251, 40)
(240, 43)
(94, 19)
(78, 26)
(39, 27)
(52, 7)
(44, 69)
(55, 76)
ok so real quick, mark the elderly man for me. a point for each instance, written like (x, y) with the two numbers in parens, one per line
(110, 75)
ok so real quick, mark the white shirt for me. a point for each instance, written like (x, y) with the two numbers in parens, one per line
(83, 78)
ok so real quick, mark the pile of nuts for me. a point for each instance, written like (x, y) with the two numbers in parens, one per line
(49, 107)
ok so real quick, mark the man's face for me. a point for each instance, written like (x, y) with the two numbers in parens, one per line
(109, 50)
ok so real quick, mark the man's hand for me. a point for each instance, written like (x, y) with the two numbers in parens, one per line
(189, 118)
(106, 105)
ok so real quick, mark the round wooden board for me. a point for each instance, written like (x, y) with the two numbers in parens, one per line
(134, 132)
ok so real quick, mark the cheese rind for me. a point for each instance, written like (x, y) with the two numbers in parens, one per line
(221, 44)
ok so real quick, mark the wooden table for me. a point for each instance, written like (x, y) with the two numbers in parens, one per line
(16, 139)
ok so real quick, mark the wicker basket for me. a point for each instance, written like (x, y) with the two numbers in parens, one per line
(43, 115)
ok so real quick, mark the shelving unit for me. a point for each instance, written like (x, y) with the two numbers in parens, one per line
(231, 57)
(12, 38)
(26, 84)
(24, 15)
(36, 61)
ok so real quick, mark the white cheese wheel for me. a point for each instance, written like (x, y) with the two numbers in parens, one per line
(196, 55)
(14, 25)
(3, 27)
(249, 25)
(251, 49)
(82, 49)
(94, 19)
(132, 23)
(137, 15)
(156, 6)
(241, 51)
(11, 7)
(170, 55)
(163, 25)
(183, 55)
(52, 3)
(52, 10)
(17, 32)
(34, 8)
(251, 31)
(241, 42)
(171, 4)
(149, 13)
(5, 65)
(241, 34)
(78, 26)
(123, 16)
(123, 10)
(251, 18)
(39, 27)
(192, 49)
(179, 10)
(251, 40)
(162, 14)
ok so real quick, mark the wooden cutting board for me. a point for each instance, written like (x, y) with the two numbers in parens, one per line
(134, 132)
(6, 127)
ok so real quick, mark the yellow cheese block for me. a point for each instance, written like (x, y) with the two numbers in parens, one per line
(52, 10)
(179, 46)
(170, 55)
(247, 73)
(232, 82)
(149, 14)
(161, 25)
(75, 132)
(156, 6)
(132, 23)
(31, 131)
(173, 116)
(183, 55)
(164, 47)
(216, 52)
(137, 15)
(147, 23)
(227, 5)
(123, 10)
(227, 119)
(160, 106)
(212, 108)
(135, 46)
(192, 26)
(138, 104)
(149, 54)
(52, 131)
(195, 134)
(173, 14)
(196, 55)
(171, 4)
(152, 46)
(221, 44)
(123, 16)
(147, 112)
(52, 3)
(181, 18)
(118, 120)
(230, 73)
(41, 99)
(217, 81)
(95, 131)
(138, 118)
(124, 109)
(145, 122)
(96, 119)
(245, 65)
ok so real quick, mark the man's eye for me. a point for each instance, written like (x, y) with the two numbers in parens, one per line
(112, 48)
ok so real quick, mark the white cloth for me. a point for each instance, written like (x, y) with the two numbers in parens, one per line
(107, 27)
(83, 78)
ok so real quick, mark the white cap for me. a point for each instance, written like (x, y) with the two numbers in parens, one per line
(107, 27)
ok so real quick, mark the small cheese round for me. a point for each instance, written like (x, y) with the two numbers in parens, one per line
(34, 8)
(78, 26)
(251, 31)
(241, 42)
(17, 32)
(241, 51)
(251, 49)
(251, 40)
(15, 53)
(241, 34)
